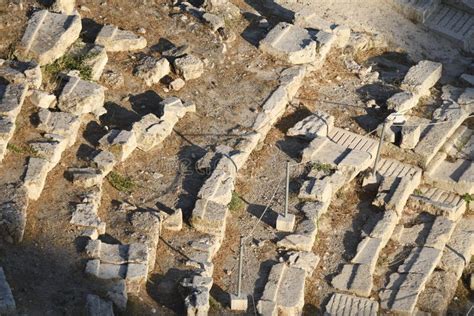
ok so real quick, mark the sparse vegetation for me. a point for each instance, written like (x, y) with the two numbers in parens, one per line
(22, 150)
(324, 167)
(468, 198)
(69, 62)
(120, 182)
(417, 192)
(213, 303)
(236, 203)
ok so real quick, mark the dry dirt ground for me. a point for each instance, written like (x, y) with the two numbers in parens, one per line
(45, 271)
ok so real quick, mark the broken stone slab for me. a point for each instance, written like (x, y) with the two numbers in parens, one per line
(59, 123)
(43, 99)
(117, 254)
(105, 271)
(403, 101)
(48, 36)
(309, 18)
(421, 77)
(35, 176)
(316, 190)
(147, 225)
(354, 278)
(440, 233)
(80, 97)
(120, 143)
(385, 226)
(304, 260)
(117, 293)
(7, 129)
(116, 40)
(456, 176)
(174, 109)
(410, 136)
(85, 215)
(105, 161)
(197, 302)
(368, 252)
(13, 206)
(49, 149)
(422, 260)
(215, 22)
(7, 302)
(291, 79)
(150, 131)
(28, 73)
(92, 56)
(458, 251)
(290, 43)
(351, 305)
(86, 177)
(95, 306)
(177, 84)
(174, 222)
(152, 70)
(290, 299)
(318, 124)
(209, 217)
(12, 97)
(189, 67)
(438, 293)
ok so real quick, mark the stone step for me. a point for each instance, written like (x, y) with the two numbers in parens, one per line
(441, 286)
(460, 144)
(352, 140)
(350, 305)
(415, 10)
(457, 176)
(440, 202)
(465, 5)
(451, 22)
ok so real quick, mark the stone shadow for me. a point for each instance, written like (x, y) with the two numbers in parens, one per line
(271, 10)
(263, 273)
(253, 33)
(268, 218)
(392, 66)
(93, 133)
(90, 30)
(118, 117)
(147, 102)
(165, 289)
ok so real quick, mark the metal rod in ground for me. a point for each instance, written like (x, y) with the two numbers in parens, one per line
(379, 149)
(241, 256)
(287, 188)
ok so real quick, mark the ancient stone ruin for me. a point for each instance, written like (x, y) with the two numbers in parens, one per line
(223, 157)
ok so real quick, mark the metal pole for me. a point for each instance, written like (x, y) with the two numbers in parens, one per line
(379, 149)
(241, 256)
(287, 193)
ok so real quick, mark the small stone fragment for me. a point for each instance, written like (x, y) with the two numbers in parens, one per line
(152, 70)
(189, 66)
(43, 99)
(174, 222)
(177, 84)
(116, 40)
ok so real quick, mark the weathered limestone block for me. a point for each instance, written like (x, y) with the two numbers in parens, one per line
(92, 56)
(147, 225)
(117, 293)
(351, 305)
(80, 97)
(316, 146)
(305, 260)
(356, 279)
(218, 188)
(152, 70)
(43, 99)
(209, 217)
(7, 128)
(403, 101)
(438, 293)
(317, 190)
(115, 40)
(459, 249)
(215, 22)
(174, 109)
(106, 271)
(13, 206)
(86, 177)
(95, 306)
(244, 148)
(117, 254)
(385, 226)
(401, 293)
(290, 43)
(104, 161)
(197, 303)
(440, 233)
(150, 131)
(410, 136)
(276, 103)
(368, 252)
(50, 149)
(12, 97)
(120, 143)
(291, 79)
(318, 124)
(174, 222)
(48, 36)
(7, 302)
(35, 176)
(422, 260)
(64, 6)
(189, 66)
(309, 18)
(85, 214)
(325, 42)
(59, 123)
(422, 77)
(28, 73)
